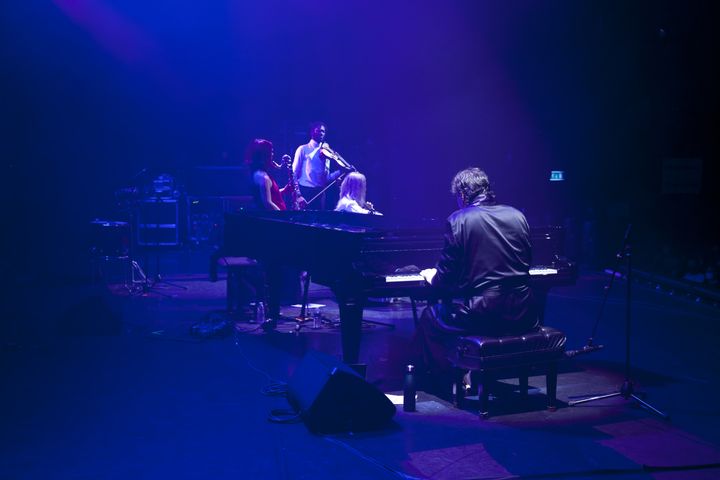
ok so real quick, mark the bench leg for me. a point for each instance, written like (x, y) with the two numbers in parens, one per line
(458, 393)
(551, 382)
(457, 387)
(232, 290)
(524, 375)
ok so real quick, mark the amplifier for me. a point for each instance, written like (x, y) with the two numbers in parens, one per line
(157, 222)
(206, 215)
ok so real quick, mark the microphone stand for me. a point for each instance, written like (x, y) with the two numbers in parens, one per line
(627, 390)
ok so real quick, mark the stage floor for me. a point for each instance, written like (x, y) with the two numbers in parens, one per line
(99, 383)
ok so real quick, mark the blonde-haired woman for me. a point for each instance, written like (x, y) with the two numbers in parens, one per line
(352, 195)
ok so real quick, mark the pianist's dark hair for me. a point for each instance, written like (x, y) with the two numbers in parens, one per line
(258, 154)
(470, 183)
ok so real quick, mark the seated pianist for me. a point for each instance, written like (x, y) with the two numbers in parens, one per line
(486, 256)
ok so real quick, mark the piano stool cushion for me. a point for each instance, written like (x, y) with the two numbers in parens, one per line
(545, 344)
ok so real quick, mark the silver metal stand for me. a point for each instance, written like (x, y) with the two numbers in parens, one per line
(627, 390)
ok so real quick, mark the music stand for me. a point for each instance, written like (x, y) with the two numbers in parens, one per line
(627, 389)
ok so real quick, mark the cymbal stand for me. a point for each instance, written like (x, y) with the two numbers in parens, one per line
(140, 283)
(136, 280)
(627, 390)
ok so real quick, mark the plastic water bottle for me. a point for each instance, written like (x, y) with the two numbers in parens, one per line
(260, 313)
(409, 389)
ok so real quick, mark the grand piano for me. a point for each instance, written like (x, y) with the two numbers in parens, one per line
(361, 256)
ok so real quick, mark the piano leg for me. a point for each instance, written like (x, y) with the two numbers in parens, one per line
(414, 310)
(351, 313)
(306, 288)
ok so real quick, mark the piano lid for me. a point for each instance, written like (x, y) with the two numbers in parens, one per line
(348, 221)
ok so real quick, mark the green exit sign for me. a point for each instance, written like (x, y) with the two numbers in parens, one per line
(557, 176)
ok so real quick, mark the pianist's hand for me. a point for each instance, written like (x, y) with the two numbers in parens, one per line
(428, 274)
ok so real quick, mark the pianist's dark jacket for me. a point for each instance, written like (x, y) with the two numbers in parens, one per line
(485, 260)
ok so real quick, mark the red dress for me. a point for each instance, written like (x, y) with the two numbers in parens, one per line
(276, 196)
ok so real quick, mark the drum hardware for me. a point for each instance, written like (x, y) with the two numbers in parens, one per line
(160, 191)
(116, 241)
(152, 283)
(109, 239)
(110, 245)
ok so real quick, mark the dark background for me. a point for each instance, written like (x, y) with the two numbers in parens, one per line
(97, 92)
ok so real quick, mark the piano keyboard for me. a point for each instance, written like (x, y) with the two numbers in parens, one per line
(416, 277)
(543, 271)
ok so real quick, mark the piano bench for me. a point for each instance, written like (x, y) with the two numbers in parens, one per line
(492, 358)
(244, 281)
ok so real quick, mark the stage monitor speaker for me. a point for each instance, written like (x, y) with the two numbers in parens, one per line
(332, 398)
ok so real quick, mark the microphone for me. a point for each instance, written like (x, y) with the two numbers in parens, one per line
(583, 350)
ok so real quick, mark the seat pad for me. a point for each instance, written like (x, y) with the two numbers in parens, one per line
(477, 352)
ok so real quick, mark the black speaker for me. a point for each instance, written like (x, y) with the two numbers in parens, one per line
(332, 398)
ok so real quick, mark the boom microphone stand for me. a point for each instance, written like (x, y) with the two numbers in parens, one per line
(627, 390)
